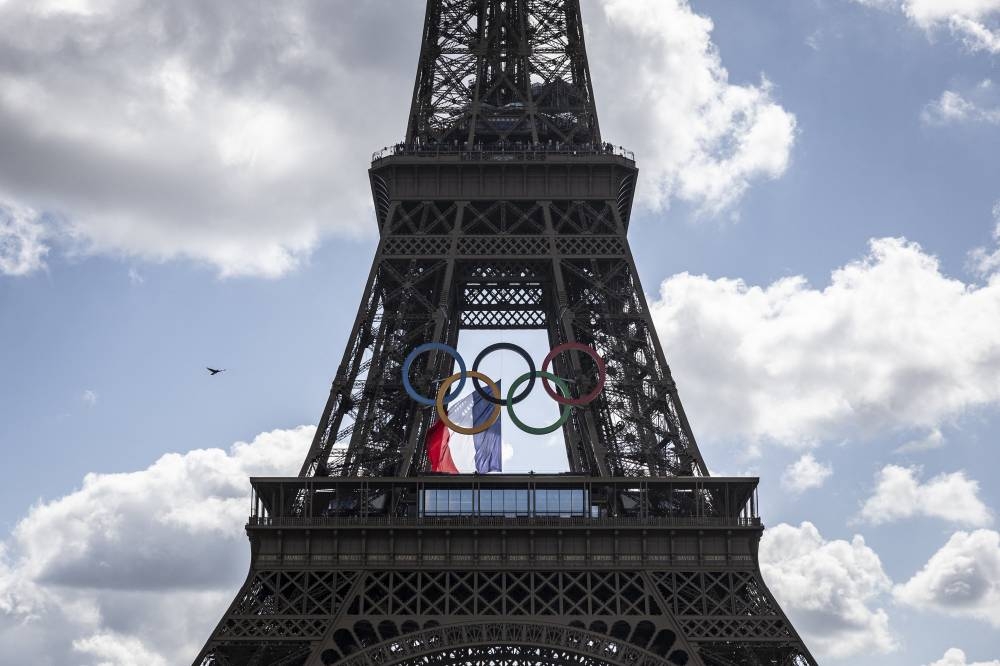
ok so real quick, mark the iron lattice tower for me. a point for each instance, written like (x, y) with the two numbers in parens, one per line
(504, 209)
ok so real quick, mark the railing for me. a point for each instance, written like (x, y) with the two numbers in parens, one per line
(512, 500)
(409, 558)
(503, 152)
(498, 521)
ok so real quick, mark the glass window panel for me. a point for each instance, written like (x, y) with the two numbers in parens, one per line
(522, 502)
(508, 501)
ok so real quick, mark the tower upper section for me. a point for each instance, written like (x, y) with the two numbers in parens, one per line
(497, 72)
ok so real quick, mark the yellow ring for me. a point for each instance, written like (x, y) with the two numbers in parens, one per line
(443, 415)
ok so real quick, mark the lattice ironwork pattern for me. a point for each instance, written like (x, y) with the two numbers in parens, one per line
(510, 593)
(503, 70)
(473, 235)
(503, 245)
(618, 617)
(514, 644)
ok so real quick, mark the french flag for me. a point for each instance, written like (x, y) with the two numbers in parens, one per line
(453, 453)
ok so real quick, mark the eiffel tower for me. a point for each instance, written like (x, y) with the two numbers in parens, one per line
(504, 209)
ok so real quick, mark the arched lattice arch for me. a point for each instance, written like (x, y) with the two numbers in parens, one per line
(506, 644)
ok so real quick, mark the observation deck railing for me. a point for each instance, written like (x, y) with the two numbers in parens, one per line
(504, 500)
(524, 559)
(499, 521)
(513, 151)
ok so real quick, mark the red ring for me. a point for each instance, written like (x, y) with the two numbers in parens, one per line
(601, 374)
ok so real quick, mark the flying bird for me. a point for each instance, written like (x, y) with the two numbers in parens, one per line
(214, 372)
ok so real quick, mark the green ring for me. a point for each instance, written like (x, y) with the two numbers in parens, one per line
(563, 387)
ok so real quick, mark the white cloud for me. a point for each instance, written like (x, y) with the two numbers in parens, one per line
(89, 397)
(986, 261)
(815, 40)
(890, 344)
(962, 579)
(881, 4)
(828, 588)
(805, 473)
(111, 650)
(22, 240)
(230, 133)
(506, 453)
(978, 104)
(239, 134)
(956, 657)
(900, 494)
(136, 568)
(972, 21)
(703, 139)
(933, 440)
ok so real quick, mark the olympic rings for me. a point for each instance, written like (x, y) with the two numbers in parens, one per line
(443, 415)
(567, 410)
(602, 374)
(566, 399)
(432, 346)
(531, 372)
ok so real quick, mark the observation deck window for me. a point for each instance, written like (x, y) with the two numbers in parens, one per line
(506, 502)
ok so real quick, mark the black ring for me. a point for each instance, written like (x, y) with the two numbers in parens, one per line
(514, 348)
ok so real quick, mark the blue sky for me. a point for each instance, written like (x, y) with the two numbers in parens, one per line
(184, 185)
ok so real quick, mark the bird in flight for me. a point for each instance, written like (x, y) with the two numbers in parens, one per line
(214, 372)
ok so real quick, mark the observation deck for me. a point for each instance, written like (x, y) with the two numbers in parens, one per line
(512, 172)
(502, 152)
(516, 520)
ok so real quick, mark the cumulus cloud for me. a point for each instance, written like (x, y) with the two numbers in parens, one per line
(136, 568)
(933, 440)
(828, 589)
(22, 240)
(962, 579)
(805, 473)
(900, 494)
(979, 104)
(239, 134)
(972, 21)
(111, 650)
(956, 657)
(703, 139)
(231, 133)
(891, 344)
(986, 261)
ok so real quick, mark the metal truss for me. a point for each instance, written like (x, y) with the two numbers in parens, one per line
(484, 617)
(563, 266)
(504, 210)
(497, 71)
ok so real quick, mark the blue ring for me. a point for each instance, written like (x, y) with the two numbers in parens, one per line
(433, 346)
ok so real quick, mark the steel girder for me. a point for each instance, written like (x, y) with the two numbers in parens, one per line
(503, 210)
(562, 266)
(363, 617)
(493, 71)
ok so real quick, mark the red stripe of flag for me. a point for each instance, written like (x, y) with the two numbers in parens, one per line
(438, 452)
